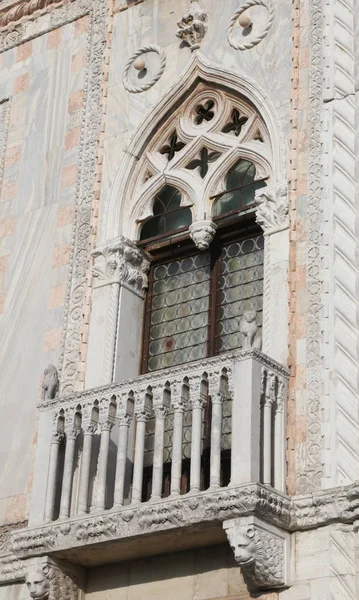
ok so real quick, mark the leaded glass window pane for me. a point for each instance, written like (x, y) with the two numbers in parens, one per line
(240, 189)
(178, 324)
(240, 287)
(168, 215)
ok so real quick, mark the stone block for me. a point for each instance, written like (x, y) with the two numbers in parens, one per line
(82, 25)
(65, 215)
(21, 83)
(24, 51)
(52, 339)
(75, 101)
(68, 176)
(61, 256)
(54, 38)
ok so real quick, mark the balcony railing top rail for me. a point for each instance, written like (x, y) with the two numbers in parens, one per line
(210, 367)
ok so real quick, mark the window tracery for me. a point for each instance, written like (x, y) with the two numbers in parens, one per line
(197, 149)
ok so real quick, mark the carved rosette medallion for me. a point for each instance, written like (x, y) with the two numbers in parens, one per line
(260, 22)
(262, 550)
(272, 208)
(121, 262)
(193, 26)
(202, 233)
(144, 68)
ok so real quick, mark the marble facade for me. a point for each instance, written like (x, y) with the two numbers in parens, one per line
(78, 124)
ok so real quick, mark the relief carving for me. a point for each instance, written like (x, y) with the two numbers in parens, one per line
(272, 207)
(202, 233)
(47, 579)
(121, 262)
(192, 27)
(261, 550)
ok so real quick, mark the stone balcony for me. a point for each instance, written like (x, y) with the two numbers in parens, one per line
(159, 463)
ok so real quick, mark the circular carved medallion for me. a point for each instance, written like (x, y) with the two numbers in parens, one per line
(138, 80)
(257, 28)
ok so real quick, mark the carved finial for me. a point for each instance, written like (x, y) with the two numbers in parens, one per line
(202, 233)
(50, 384)
(192, 27)
(262, 551)
(249, 329)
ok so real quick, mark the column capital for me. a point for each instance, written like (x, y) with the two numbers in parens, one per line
(273, 208)
(121, 261)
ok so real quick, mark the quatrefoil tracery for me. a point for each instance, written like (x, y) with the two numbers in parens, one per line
(203, 138)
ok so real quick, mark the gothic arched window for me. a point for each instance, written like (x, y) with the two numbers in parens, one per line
(216, 146)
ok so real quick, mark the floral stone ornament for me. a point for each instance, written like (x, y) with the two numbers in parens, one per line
(202, 233)
(192, 27)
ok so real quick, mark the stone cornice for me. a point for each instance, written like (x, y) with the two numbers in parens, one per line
(18, 10)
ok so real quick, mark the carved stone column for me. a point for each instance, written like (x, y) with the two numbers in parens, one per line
(198, 401)
(50, 579)
(143, 413)
(161, 411)
(57, 439)
(120, 272)
(272, 216)
(262, 550)
(124, 418)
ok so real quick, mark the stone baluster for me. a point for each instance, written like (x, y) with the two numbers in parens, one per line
(217, 392)
(279, 437)
(67, 481)
(124, 418)
(88, 430)
(198, 403)
(161, 411)
(105, 426)
(179, 405)
(143, 413)
(268, 402)
(57, 439)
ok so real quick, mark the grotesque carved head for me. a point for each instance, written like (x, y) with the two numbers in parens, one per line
(243, 544)
(249, 316)
(38, 583)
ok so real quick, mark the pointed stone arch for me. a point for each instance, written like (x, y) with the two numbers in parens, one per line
(126, 205)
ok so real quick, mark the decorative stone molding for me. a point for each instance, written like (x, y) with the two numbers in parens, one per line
(121, 262)
(192, 27)
(11, 569)
(24, 9)
(202, 233)
(85, 185)
(272, 208)
(4, 125)
(261, 550)
(219, 505)
(151, 74)
(309, 459)
(50, 579)
(256, 39)
(28, 25)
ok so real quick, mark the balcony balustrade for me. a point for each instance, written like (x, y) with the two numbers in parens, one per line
(168, 449)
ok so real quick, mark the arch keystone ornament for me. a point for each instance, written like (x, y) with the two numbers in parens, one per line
(151, 73)
(262, 550)
(192, 27)
(235, 21)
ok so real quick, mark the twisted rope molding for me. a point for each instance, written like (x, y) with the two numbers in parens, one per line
(248, 45)
(144, 50)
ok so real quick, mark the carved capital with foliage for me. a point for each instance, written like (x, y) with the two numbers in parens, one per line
(272, 207)
(262, 550)
(122, 262)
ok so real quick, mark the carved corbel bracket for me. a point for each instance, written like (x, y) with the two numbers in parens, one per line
(122, 262)
(262, 550)
(192, 27)
(49, 579)
(272, 208)
(202, 233)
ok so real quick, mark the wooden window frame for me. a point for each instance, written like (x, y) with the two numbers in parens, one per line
(178, 247)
